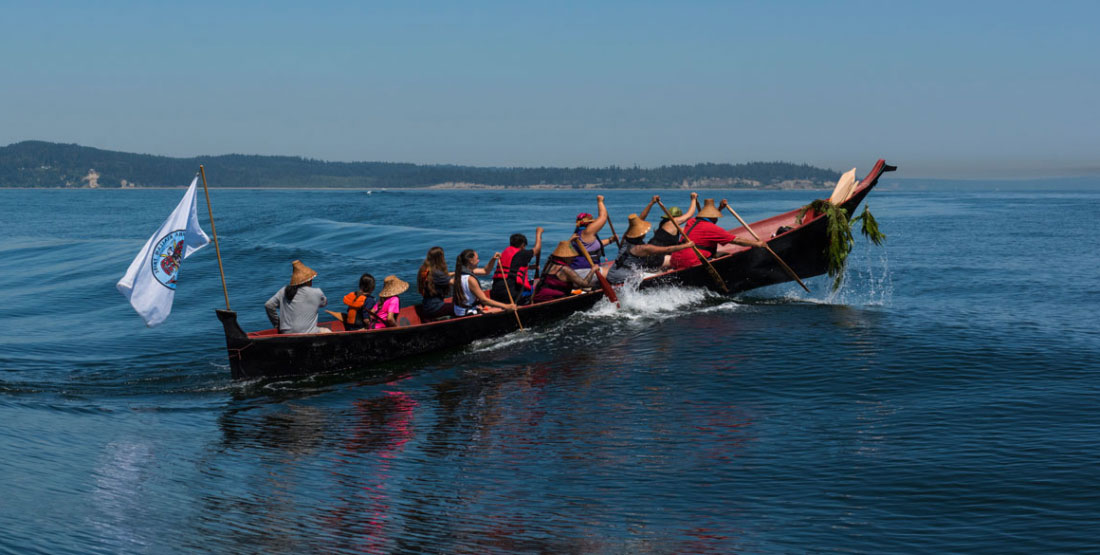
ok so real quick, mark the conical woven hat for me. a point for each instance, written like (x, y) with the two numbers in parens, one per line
(393, 285)
(709, 210)
(638, 227)
(565, 250)
(300, 273)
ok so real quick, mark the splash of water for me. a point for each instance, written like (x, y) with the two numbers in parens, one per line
(866, 280)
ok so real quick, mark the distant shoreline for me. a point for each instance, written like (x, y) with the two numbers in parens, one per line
(403, 189)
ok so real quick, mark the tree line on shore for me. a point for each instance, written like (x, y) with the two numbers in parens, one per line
(45, 164)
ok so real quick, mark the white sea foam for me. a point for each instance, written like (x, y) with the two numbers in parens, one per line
(510, 340)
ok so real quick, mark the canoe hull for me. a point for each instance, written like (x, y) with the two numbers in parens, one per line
(259, 356)
(307, 354)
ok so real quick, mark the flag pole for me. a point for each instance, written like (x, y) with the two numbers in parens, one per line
(217, 250)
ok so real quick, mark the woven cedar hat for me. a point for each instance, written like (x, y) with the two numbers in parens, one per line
(392, 286)
(565, 250)
(637, 227)
(300, 273)
(709, 210)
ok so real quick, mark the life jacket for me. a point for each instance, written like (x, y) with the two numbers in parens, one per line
(517, 275)
(552, 286)
(358, 314)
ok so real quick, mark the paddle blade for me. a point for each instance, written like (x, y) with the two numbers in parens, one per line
(607, 289)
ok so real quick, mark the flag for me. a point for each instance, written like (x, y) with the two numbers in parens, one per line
(150, 282)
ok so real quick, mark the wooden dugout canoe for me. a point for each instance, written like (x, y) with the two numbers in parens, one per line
(267, 353)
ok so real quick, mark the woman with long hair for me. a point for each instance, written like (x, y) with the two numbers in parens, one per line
(433, 281)
(468, 297)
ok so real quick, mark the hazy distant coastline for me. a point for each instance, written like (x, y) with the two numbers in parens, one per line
(38, 164)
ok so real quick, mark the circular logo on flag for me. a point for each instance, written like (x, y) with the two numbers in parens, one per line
(166, 258)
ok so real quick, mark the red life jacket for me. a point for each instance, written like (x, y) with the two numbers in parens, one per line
(518, 274)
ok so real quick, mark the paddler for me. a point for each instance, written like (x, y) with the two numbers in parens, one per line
(513, 267)
(666, 234)
(468, 298)
(635, 256)
(560, 279)
(587, 228)
(704, 231)
(361, 305)
(293, 309)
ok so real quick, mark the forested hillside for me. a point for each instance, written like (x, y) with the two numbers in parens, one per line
(44, 164)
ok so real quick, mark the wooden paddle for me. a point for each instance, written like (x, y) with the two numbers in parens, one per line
(618, 242)
(508, 288)
(790, 272)
(342, 317)
(604, 284)
(539, 279)
(710, 269)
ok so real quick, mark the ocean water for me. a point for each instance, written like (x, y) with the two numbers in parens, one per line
(943, 400)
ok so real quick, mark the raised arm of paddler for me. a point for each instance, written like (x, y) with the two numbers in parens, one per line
(538, 241)
(488, 269)
(691, 211)
(588, 234)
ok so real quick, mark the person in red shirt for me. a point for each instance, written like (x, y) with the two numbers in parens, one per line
(704, 231)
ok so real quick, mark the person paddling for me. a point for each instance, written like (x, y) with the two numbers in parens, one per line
(361, 305)
(468, 296)
(560, 279)
(587, 228)
(706, 234)
(666, 234)
(635, 256)
(512, 271)
(293, 309)
(389, 305)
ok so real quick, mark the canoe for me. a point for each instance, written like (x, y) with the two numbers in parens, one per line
(267, 353)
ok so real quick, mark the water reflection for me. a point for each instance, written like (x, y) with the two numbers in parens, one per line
(584, 450)
(380, 428)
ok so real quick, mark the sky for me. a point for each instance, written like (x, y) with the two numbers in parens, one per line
(942, 89)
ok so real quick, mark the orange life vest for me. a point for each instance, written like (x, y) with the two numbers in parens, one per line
(358, 309)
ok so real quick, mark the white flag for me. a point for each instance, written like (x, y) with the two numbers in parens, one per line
(150, 282)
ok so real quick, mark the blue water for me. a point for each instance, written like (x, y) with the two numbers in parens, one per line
(943, 400)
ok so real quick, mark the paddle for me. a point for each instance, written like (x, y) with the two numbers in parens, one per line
(710, 269)
(539, 279)
(604, 284)
(508, 288)
(618, 242)
(342, 316)
(788, 269)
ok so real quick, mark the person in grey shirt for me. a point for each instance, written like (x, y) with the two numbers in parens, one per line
(293, 309)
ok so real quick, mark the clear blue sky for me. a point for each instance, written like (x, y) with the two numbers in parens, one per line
(943, 89)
